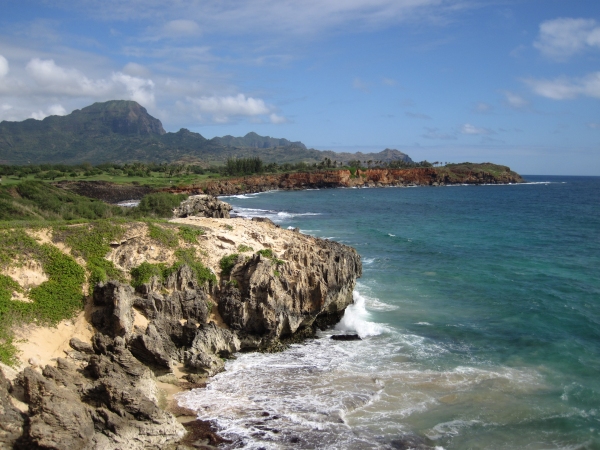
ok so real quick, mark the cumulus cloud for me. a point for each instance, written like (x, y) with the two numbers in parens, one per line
(467, 128)
(515, 100)
(54, 110)
(3, 66)
(136, 70)
(562, 38)
(564, 88)
(224, 108)
(54, 79)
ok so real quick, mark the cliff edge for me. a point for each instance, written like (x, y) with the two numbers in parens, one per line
(187, 295)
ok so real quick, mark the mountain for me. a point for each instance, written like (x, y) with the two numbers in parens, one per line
(123, 131)
(253, 140)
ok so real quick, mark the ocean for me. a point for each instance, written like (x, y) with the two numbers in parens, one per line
(479, 312)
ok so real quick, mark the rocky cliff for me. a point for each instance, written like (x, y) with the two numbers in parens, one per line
(461, 174)
(254, 286)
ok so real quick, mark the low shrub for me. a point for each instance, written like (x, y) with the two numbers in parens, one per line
(227, 262)
(190, 234)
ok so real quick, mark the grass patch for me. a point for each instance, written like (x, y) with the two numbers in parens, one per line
(92, 242)
(58, 298)
(162, 235)
(227, 262)
(160, 204)
(244, 248)
(266, 252)
(190, 234)
(145, 271)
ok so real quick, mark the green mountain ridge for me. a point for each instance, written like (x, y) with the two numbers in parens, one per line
(123, 131)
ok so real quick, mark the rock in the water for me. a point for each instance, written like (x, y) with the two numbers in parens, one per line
(203, 205)
(346, 337)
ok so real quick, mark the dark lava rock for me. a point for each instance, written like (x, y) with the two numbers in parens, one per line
(346, 337)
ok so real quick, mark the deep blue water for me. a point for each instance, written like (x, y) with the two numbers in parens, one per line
(480, 312)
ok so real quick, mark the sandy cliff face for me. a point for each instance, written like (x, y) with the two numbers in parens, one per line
(102, 393)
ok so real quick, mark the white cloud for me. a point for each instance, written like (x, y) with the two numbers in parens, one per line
(562, 38)
(277, 119)
(564, 88)
(467, 128)
(515, 100)
(51, 78)
(138, 89)
(181, 27)
(53, 110)
(4, 68)
(224, 108)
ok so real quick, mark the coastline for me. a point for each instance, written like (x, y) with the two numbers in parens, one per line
(142, 355)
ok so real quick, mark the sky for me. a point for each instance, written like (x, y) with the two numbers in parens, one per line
(515, 82)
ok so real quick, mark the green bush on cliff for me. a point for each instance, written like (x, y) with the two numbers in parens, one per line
(144, 272)
(266, 252)
(227, 262)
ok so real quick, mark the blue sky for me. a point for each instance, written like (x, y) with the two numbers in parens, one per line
(513, 82)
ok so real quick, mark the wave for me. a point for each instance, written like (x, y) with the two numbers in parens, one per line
(356, 319)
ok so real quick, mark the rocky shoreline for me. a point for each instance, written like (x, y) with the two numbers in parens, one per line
(104, 394)
(348, 179)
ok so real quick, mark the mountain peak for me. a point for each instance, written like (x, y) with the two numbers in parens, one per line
(121, 117)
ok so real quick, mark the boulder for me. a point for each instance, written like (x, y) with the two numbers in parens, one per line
(12, 420)
(203, 205)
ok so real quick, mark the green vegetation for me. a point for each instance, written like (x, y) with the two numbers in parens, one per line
(145, 271)
(244, 166)
(159, 204)
(92, 242)
(36, 200)
(266, 252)
(56, 299)
(227, 262)
(163, 235)
(244, 248)
(190, 234)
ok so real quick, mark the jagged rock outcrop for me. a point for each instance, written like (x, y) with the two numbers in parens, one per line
(203, 205)
(110, 404)
(277, 297)
(105, 396)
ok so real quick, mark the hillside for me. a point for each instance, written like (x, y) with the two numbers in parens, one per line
(122, 131)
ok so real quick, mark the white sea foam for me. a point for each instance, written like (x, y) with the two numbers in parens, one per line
(356, 319)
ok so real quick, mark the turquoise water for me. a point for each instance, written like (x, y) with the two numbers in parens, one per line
(480, 312)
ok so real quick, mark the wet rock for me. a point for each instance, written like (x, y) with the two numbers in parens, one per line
(346, 337)
(411, 442)
(203, 205)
